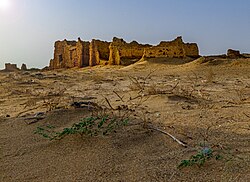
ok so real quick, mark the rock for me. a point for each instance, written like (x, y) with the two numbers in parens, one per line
(24, 67)
(233, 54)
(39, 114)
(38, 75)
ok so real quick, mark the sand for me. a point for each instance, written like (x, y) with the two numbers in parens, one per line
(195, 102)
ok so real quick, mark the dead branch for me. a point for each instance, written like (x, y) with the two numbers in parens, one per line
(109, 104)
(19, 114)
(121, 98)
(246, 115)
(35, 120)
(166, 133)
(150, 73)
(136, 82)
(171, 91)
(131, 99)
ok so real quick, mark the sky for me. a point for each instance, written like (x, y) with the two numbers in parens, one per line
(29, 28)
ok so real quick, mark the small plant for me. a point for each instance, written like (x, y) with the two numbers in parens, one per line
(200, 158)
(92, 126)
(45, 131)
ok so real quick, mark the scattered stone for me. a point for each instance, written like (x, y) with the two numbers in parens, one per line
(39, 114)
(34, 119)
(38, 75)
(25, 73)
(80, 104)
(89, 105)
(7, 116)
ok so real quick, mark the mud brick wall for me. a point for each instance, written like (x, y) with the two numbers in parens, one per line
(172, 49)
(122, 52)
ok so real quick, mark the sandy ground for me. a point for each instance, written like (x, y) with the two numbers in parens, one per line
(195, 102)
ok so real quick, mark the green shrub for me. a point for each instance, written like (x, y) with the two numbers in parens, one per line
(92, 126)
(200, 158)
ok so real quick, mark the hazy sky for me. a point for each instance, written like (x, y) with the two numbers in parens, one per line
(29, 28)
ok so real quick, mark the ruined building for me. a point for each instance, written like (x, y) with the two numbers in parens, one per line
(70, 54)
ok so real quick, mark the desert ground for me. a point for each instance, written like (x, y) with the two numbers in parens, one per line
(200, 103)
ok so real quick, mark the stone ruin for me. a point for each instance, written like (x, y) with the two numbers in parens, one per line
(13, 67)
(70, 54)
(24, 67)
(233, 54)
(10, 67)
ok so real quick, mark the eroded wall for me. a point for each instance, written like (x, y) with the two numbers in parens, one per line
(122, 52)
(98, 51)
(69, 54)
(82, 51)
(172, 49)
(11, 67)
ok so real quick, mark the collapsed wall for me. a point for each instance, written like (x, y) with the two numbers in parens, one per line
(123, 53)
(99, 52)
(172, 49)
(69, 54)
(10, 67)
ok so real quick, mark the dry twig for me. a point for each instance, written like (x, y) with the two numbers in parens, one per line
(111, 107)
(19, 114)
(246, 115)
(166, 133)
(121, 98)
